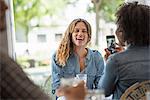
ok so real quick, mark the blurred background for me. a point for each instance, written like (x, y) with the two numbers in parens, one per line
(36, 27)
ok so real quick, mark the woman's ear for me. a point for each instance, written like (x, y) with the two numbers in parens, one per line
(89, 39)
(120, 38)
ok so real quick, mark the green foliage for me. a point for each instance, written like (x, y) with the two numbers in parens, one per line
(107, 9)
(23, 61)
(37, 59)
(54, 6)
(43, 62)
(25, 11)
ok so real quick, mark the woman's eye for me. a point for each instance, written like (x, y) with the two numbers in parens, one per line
(84, 31)
(76, 30)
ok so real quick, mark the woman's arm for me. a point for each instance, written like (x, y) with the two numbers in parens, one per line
(56, 75)
(109, 78)
(100, 68)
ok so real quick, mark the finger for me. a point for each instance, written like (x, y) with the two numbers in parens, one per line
(107, 51)
(119, 48)
(81, 83)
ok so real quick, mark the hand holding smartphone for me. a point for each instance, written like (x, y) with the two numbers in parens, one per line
(111, 43)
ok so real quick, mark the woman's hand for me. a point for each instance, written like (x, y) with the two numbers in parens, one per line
(59, 92)
(108, 53)
(75, 92)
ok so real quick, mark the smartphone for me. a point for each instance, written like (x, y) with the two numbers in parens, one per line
(111, 43)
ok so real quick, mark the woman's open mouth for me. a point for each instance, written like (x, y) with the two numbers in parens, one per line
(79, 39)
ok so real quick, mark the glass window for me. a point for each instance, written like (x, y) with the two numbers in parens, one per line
(58, 36)
(41, 38)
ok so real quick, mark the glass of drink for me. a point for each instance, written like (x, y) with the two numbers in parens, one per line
(67, 82)
(72, 89)
(148, 95)
(95, 95)
(82, 77)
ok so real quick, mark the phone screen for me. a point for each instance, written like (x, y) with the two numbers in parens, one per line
(110, 41)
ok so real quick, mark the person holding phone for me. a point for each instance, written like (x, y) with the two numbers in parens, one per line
(112, 46)
(74, 57)
(132, 65)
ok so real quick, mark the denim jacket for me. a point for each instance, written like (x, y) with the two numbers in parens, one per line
(94, 66)
(124, 69)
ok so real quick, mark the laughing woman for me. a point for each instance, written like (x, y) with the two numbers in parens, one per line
(73, 57)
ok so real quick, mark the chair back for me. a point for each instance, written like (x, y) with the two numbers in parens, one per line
(137, 91)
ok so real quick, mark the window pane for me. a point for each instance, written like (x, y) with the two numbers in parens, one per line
(41, 38)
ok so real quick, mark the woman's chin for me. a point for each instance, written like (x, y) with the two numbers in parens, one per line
(80, 45)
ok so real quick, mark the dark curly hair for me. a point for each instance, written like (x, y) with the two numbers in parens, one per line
(133, 20)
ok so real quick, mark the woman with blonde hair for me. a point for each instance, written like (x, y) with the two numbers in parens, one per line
(73, 57)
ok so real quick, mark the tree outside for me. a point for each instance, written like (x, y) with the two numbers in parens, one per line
(104, 9)
(25, 11)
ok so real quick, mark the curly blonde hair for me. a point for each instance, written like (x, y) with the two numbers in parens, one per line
(66, 45)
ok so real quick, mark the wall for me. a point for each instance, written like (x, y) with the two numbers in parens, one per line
(7, 32)
(3, 29)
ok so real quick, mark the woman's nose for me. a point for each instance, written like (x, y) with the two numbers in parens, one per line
(80, 33)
